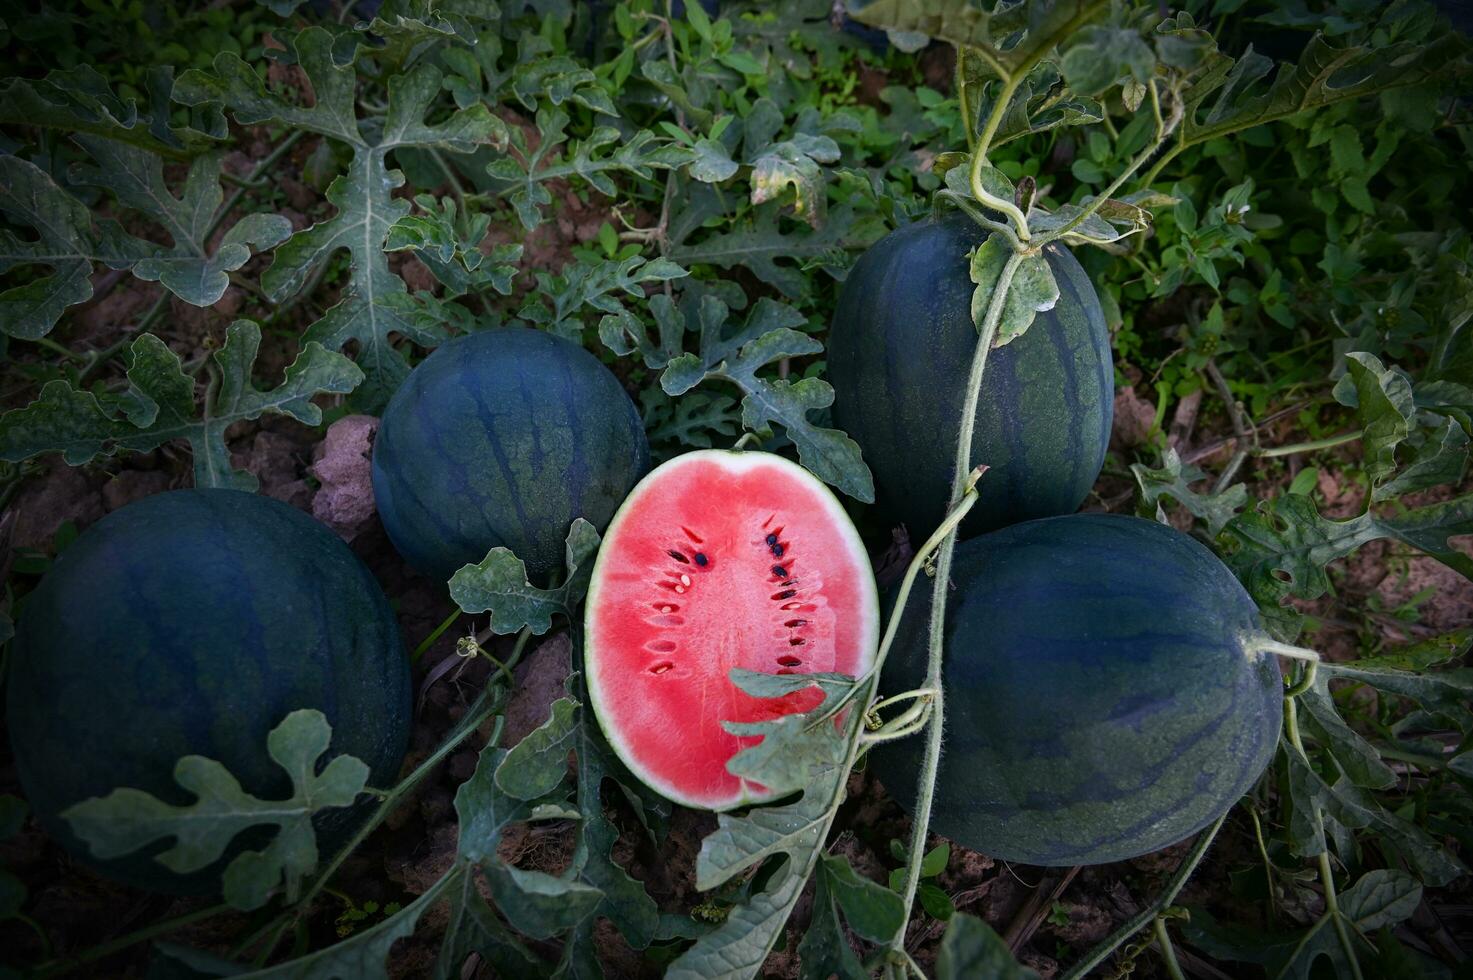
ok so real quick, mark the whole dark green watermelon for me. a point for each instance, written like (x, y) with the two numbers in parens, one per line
(193, 622)
(503, 438)
(1100, 702)
(900, 351)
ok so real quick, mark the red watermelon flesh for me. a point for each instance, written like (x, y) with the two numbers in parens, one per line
(720, 560)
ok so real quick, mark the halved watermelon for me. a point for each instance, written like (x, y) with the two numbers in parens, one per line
(719, 560)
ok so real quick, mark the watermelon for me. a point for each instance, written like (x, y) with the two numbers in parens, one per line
(503, 438)
(1105, 696)
(719, 560)
(193, 622)
(899, 354)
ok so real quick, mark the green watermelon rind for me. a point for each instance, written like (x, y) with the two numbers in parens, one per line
(191, 623)
(899, 358)
(1106, 693)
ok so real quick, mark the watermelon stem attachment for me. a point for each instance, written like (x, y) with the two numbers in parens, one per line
(743, 442)
(1260, 643)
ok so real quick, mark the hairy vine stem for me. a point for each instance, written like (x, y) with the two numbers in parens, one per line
(921, 816)
(1148, 915)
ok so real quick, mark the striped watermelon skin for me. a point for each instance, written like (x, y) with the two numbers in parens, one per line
(503, 438)
(191, 623)
(1100, 702)
(900, 350)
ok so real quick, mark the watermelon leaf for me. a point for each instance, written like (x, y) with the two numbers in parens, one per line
(82, 100)
(1032, 291)
(626, 903)
(498, 584)
(159, 406)
(755, 240)
(128, 819)
(1346, 805)
(872, 910)
(591, 159)
(69, 241)
(136, 178)
(1379, 898)
(434, 236)
(795, 162)
(804, 752)
(824, 951)
(535, 765)
(1390, 415)
(373, 306)
(1280, 549)
(1034, 108)
(970, 948)
(474, 927)
(1174, 479)
(1227, 95)
(768, 335)
(560, 300)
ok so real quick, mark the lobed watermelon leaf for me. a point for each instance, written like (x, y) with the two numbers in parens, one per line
(498, 584)
(1341, 804)
(69, 241)
(435, 237)
(757, 240)
(1280, 549)
(1379, 898)
(528, 168)
(81, 100)
(560, 300)
(373, 306)
(1174, 479)
(804, 753)
(159, 406)
(768, 335)
(129, 819)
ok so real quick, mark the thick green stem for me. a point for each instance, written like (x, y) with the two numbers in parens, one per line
(984, 197)
(1148, 915)
(974, 212)
(1309, 447)
(921, 814)
(1168, 951)
(963, 103)
(994, 118)
(1263, 643)
(1159, 165)
(429, 641)
(1327, 876)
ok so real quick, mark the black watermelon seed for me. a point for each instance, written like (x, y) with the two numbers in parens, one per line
(786, 595)
(779, 571)
(701, 559)
(678, 556)
(777, 551)
(772, 539)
